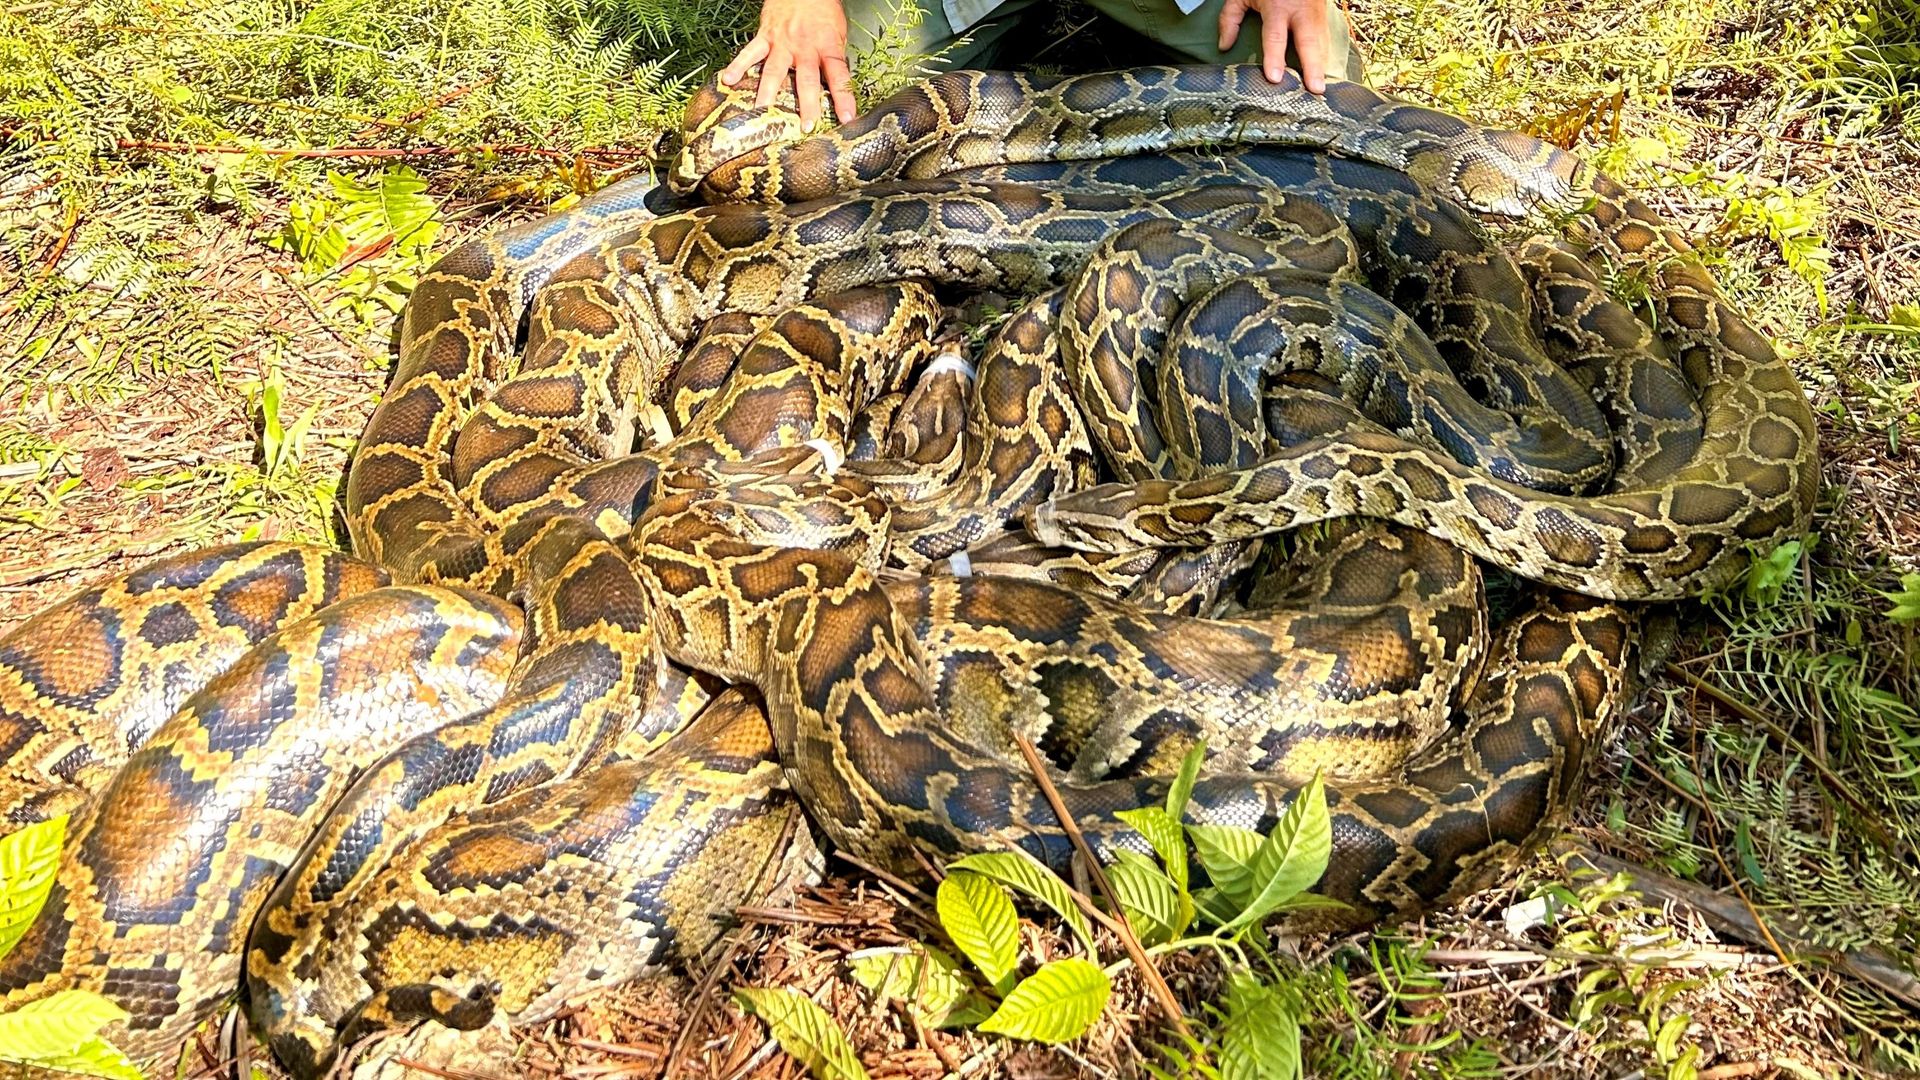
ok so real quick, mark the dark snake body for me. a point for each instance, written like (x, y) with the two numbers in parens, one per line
(526, 804)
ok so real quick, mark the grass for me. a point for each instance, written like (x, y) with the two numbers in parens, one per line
(1776, 758)
(170, 376)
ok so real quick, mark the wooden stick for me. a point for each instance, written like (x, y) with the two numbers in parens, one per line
(423, 111)
(447, 1074)
(1730, 916)
(1155, 982)
(894, 880)
(377, 151)
(1752, 715)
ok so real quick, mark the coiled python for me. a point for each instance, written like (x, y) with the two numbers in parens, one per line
(439, 808)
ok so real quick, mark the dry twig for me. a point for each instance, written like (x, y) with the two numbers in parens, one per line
(1163, 994)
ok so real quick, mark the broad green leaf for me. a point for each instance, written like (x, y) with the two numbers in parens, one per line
(55, 1025)
(271, 432)
(405, 202)
(29, 859)
(1768, 575)
(396, 204)
(1308, 901)
(1163, 831)
(1260, 1038)
(1057, 1003)
(1214, 904)
(924, 977)
(322, 246)
(1666, 1041)
(1227, 852)
(94, 1057)
(1147, 898)
(804, 1030)
(1906, 602)
(978, 916)
(1019, 872)
(1182, 789)
(1293, 856)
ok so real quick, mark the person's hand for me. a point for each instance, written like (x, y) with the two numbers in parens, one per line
(808, 38)
(1304, 20)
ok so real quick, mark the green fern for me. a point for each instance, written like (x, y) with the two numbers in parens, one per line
(100, 205)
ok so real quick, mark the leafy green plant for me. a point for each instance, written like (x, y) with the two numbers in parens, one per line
(1404, 1019)
(1060, 999)
(281, 487)
(280, 442)
(1906, 601)
(1864, 70)
(128, 131)
(1625, 991)
(891, 63)
(1812, 773)
(59, 1032)
(1789, 218)
(805, 1031)
(1253, 1031)
(1767, 575)
(371, 238)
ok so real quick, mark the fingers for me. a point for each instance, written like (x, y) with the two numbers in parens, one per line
(807, 40)
(840, 86)
(1273, 47)
(807, 72)
(755, 52)
(773, 75)
(1313, 42)
(1232, 14)
(806, 88)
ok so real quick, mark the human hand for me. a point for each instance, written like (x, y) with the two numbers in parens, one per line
(1304, 20)
(808, 38)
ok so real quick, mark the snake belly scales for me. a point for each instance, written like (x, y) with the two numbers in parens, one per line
(675, 523)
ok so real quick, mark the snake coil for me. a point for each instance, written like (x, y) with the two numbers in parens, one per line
(631, 454)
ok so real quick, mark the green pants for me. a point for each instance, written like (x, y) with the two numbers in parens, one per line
(1192, 39)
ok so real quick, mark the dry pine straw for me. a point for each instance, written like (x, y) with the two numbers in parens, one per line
(1753, 1019)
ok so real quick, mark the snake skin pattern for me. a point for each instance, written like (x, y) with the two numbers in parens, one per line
(641, 450)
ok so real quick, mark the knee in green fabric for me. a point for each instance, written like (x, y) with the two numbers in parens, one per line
(1191, 38)
(868, 22)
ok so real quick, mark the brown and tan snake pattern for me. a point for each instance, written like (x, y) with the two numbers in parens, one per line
(629, 456)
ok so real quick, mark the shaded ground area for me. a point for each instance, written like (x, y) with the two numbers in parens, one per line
(1774, 765)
